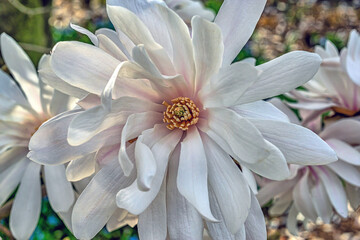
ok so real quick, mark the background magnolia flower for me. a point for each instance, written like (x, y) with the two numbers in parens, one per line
(315, 191)
(172, 116)
(22, 111)
(334, 88)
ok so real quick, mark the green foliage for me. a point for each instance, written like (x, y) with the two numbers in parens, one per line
(214, 5)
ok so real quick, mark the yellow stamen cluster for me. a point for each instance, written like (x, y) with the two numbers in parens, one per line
(344, 111)
(181, 114)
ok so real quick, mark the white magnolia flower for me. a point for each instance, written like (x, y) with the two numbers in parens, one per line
(187, 9)
(172, 116)
(316, 191)
(22, 111)
(334, 86)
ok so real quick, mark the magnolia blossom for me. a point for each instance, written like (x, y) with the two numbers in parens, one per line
(22, 111)
(316, 191)
(186, 9)
(164, 111)
(334, 88)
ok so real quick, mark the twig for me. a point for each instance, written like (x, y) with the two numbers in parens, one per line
(29, 11)
(6, 231)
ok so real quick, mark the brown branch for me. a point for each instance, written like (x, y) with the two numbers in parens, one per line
(6, 231)
(29, 11)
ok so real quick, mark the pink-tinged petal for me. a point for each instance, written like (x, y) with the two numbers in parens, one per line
(208, 50)
(227, 86)
(270, 190)
(83, 66)
(89, 101)
(152, 223)
(135, 124)
(346, 171)
(229, 185)
(192, 178)
(81, 168)
(58, 188)
(346, 130)
(302, 198)
(242, 136)
(22, 69)
(237, 20)
(255, 223)
(344, 151)
(10, 178)
(184, 221)
(25, 211)
(298, 144)
(282, 75)
(321, 202)
(268, 111)
(97, 202)
(48, 76)
(335, 190)
(132, 198)
(82, 30)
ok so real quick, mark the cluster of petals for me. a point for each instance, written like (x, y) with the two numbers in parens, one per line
(176, 180)
(318, 191)
(336, 87)
(24, 106)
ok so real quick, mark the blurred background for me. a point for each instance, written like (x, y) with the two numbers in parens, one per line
(285, 26)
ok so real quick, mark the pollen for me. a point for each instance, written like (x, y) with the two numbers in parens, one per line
(181, 114)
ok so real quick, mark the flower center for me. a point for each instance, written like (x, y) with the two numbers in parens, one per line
(181, 114)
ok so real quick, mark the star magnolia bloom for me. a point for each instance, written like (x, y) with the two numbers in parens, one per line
(315, 191)
(334, 86)
(22, 112)
(172, 116)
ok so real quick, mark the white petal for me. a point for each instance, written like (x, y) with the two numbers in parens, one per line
(353, 194)
(353, 60)
(11, 157)
(285, 109)
(10, 178)
(152, 223)
(281, 204)
(83, 65)
(117, 219)
(97, 203)
(321, 202)
(298, 144)
(9, 89)
(237, 20)
(227, 86)
(255, 223)
(270, 190)
(25, 211)
(192, 178)
(346, 171)
(244, 139)
(60, 102)
(22, 69)
(145, 164)
(82, 30)
(249, 176)
(282, 75)
(302, 198)
(291, 222)
(111, 47)
(229, 185)
(81, 168)
(184, 221)
(344, 151)
(335, 190)
(208, 50)
(345, 130)
(136, 201)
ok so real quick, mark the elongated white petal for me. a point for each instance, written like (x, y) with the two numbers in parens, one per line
(298, 144)
(22, 69)
(81, 168)
(302, 198)
(346, 171)
(192, 178)
(281, 204)
(97, 203)
(249, 176)
(152, 223)
(352, 59)
(344, 151)
(228, 85)
(25, 211)
(132, 198)
(282, 75)
(244, 139)
(270, 190)
(353, 195)
(237, 20)
(208, 50)
(146, 165)
(255, 223)
(58, 188)
(9, 89)
(335, 190)
(321, 202)
(291, 222)
(229, 185)
(11, 157)
(184, 221)
(345, 130)
(82, 30)
(285, 109)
